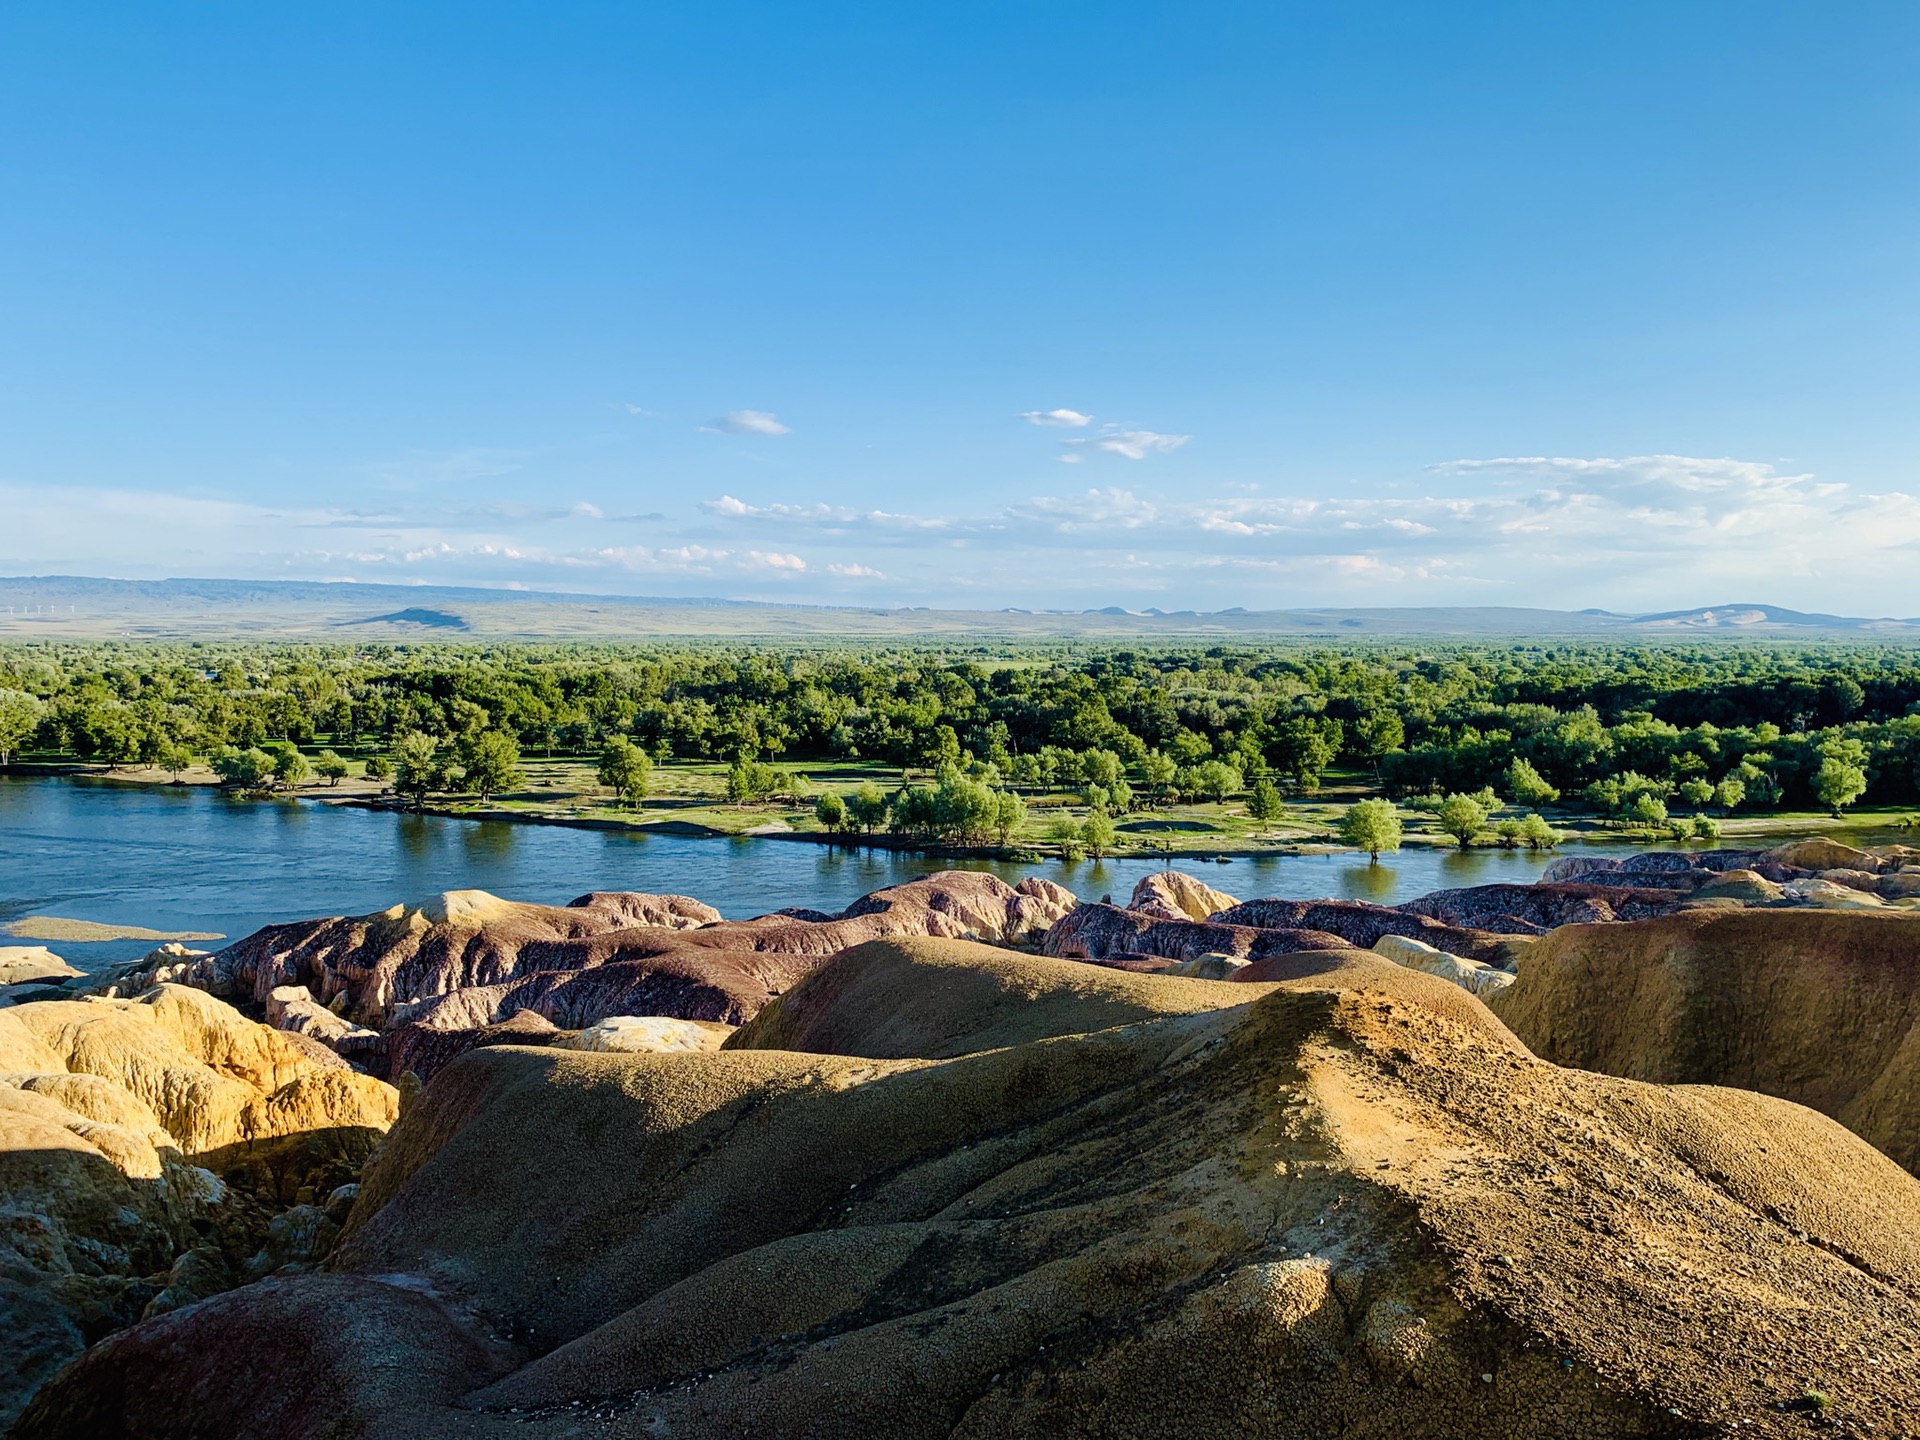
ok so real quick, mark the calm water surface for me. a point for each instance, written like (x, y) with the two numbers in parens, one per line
(190, 858)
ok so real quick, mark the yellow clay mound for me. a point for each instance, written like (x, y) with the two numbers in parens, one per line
(212, 1077)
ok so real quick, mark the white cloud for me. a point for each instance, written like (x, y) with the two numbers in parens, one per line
(1063, 419)
(1652, 532)
(1133, 444)
(747, 422)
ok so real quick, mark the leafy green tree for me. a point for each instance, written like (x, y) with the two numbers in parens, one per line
(1706, 827)
(290, 767)
(1696, 792)
(1189, 747)
(1009, 814)
(1838, 783)
(1463, 817)
(1729, 793)
(868, 807)
(750, 780)
(1537, 834)
(491, 763)
(1303, 746)
(1264, 802)
(625, 769)
(1377, 733)
(20, 715)
(378, 767)
(1098, 834)
(1209, 780)
(1525, 786)
(1067, 833)
(1158, 769)
(1372, 826)
(1102, 768)
(330, 767)
(831, 811)
(1648, 810)
(174, 758)
(1507, 832)
(418, 770)
(250, 768)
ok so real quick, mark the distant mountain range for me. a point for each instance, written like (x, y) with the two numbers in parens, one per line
(80, 607)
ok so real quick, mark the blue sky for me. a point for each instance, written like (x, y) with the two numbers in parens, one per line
(1044, 305)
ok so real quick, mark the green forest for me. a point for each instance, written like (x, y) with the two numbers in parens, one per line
(1729, 726)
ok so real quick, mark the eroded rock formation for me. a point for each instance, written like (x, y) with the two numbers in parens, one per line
(118, 1119)
(1036, 1198)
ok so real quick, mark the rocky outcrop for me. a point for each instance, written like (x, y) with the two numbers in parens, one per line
(424, 1050)
(1747, 887)
(117, 1120)
(650, 912)
(1469, 975)
(978, 906)
(23, 964)
(1818, 1007)
(1171, 895)
(411, 952)
(647, 1035)
(1662, 869)
(371, 968)
(1097, 932)
(1821, 853)
(1535, 909)
(212, 1077)
(1361, 925)
(1319, 1207)
(291, 1008)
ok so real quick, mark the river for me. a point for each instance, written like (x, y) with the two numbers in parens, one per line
(191, 858)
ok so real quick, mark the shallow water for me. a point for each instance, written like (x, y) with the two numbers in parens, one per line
(190, 858)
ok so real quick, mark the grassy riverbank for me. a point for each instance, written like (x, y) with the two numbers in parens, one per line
(691, 799)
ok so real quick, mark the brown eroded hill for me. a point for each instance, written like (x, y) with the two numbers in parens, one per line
(470, 941)
(1323, 1210)
(1818, 1006)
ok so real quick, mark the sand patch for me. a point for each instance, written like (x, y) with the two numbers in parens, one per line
(53, 927)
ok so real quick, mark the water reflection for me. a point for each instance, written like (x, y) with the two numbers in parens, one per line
(1378, 883)
(489, 842)
(189, 858)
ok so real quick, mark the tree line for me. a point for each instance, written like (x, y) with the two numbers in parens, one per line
(1712, 726)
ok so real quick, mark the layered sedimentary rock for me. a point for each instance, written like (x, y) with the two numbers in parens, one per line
(1044, 1199)
(682, 959)
(1535, 909)
(1820, 1007)
(117, 1118)
(1109, 932)
(1174, 895)
(1361, 925)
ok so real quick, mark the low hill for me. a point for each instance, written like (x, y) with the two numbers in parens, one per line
(78, 607)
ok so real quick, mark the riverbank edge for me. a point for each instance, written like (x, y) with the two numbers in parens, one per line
(1746, 828)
